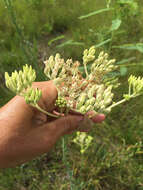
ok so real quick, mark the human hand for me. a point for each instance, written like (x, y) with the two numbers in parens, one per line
(26, 132)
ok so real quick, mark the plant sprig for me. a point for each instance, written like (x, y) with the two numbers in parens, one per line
(135, 89)
(21, 84)
(76, 92)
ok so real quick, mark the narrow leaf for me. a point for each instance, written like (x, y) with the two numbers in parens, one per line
(137, 46)
(95, 13)
(55, 39)
(70, 42)
(102, 43)
(123, 61)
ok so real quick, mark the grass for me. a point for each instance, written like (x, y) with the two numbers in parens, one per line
(114, 161)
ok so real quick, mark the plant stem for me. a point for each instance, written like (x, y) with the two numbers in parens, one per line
(42, 110)
(116, 104)
(85, 68)
(67, 164)
(122, 101)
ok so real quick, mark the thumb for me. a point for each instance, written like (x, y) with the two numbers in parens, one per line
(66, 124)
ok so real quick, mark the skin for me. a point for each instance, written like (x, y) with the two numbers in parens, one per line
(26, 132)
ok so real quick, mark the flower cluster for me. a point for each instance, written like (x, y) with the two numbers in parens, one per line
(76, 92)
(83, 140)
(79, 91)
(18, 82)
(135, 87)
(21, 84)
(90, 90)
(61, 102)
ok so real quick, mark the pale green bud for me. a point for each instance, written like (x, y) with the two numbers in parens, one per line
(111, 62)
(57, 57)
(7, 77)
(85, 52)
(139, 88)
(107, 110)
(101, 54)
(25, 83)
(12, 86)
(107, 101)
(92, 91)
(82, 109)
(20, 73)
(40, 94)
(13, 76)
(90, 58)
(32, 96)
(96, 105)
(89, 108)
(36, 98)
(108, 94)
(92, 50)
(29, 91)
(90, 101)
(102, 107)
(27, 100)
(7, 82)
(19, 87)
(100, 91)
(82, 150)
(88, 140)
(81, 100)
(61, 102)
(85, 59)
(25, 68)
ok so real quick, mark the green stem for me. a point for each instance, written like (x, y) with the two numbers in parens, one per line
(67, 164)
(42, 110)
(129, 89)
(116, 104)
(85, 68)
(122, 101)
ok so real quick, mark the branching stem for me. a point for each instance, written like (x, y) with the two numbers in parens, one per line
(122, 101)
(42, 110)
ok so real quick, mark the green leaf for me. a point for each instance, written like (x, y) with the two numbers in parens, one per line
(55, 39)
(137, 46)
(126, 2)
(115, 24)
(95, 13)
(70, 42)
(123, 61)
(102, 43)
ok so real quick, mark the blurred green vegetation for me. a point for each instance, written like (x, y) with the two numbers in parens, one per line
(30, 31)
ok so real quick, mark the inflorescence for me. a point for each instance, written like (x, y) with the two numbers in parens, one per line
(86, 91)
